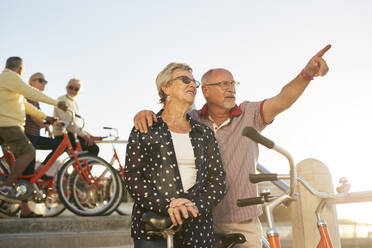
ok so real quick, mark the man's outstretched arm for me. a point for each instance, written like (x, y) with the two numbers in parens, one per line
(294, 89)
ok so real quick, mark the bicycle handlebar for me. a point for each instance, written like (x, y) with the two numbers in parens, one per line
(116, 136)
(64, 124)
(252, 133)
(257, 178)
(250, 201)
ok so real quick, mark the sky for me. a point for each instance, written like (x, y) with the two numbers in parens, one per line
(117, 48)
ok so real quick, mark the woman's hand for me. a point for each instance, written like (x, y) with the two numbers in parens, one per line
(176, 202)
(181, 207)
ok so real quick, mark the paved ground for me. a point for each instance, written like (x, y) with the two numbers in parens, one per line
(67, 230)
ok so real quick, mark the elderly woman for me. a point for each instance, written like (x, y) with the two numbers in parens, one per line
(175, 168)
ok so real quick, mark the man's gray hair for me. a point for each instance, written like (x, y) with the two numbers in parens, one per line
(166, 74)
(75, 80)
(14, 63)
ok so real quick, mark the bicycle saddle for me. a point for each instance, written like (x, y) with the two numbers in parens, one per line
(229, 240)
(155, 222)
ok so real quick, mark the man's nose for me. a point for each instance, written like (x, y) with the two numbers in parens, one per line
(230, 88)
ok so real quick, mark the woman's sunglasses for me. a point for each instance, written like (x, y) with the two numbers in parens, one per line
(186, 80)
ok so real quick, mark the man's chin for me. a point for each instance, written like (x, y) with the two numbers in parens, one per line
(229, 105)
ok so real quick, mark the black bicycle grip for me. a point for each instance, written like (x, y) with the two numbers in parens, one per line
(250, 201)
(78, 116)
(256, 178)
(252, 133)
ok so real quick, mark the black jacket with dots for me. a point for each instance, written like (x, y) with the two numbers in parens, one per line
(152, 178)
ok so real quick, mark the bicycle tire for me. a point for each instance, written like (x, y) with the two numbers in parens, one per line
(118, 198)
(52, 206)
(126, 203)
(78, 195)
(82, 198)
(10, 208)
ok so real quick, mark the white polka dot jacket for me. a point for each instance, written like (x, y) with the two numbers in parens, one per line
(152, 178)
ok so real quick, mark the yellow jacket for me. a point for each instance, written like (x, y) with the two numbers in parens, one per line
(13, 105)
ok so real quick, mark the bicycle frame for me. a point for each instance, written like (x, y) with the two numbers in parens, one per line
(325, 240)
(7, 155)
(65, 144)
(115, 156)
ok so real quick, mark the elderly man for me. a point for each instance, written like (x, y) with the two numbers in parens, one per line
(34, 124)
(13, 109)
(87, 141)
(240, 154)
(32, 131)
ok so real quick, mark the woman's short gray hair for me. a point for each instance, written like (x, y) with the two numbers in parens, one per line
(166, 74)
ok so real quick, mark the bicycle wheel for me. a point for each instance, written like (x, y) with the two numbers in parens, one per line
(84, 190)
(51, 206)
(126, 203)
(118, 198)
(10, 208)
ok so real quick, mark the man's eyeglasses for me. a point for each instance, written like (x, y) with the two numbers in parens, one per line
(40, 80)
(76, 89)
(226, 84)
(186, 80)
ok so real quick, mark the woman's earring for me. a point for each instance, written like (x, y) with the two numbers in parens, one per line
(168, 98)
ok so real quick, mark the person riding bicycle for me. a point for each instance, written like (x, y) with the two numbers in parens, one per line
(13, 109)
(87, 141)
(33, 125)
(175, 169)
(239, 155)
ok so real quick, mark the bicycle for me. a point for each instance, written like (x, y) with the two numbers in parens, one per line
(87, 185)
(43, 192)
(121, 204)
(270, 202)
(157, 225)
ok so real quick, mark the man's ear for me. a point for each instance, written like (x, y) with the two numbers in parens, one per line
(205, 90)
(19, 70)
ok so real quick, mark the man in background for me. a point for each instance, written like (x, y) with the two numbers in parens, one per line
(13, 109)
(32, 130)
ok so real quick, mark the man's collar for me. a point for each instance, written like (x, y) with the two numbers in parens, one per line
(235, 111)
(9, 70)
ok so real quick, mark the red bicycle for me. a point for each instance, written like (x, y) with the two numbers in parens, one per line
(86, 184)
(124, 203)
